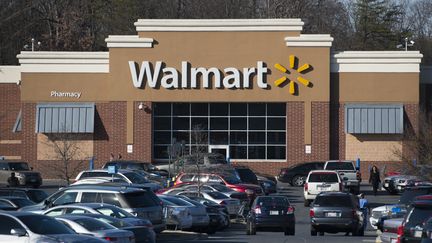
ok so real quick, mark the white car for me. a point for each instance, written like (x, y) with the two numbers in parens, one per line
(319, 181)
(25, 227)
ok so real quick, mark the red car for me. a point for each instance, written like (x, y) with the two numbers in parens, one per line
(227, 179)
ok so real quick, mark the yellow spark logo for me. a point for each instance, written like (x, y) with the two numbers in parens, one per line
(292, 65)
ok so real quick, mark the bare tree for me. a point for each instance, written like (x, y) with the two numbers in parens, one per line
(66, 155)
(198, 149)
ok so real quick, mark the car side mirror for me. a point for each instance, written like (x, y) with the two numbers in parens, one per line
(18, 232)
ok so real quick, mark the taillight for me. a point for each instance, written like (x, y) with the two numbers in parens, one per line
(110, 238)
(311, 213)
(400, 231)
(305, 186)
(290, 210)
(257, 210)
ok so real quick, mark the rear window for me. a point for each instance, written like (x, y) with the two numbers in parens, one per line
(139, 199)
(247, 176)
(273, 201)
(93, 174)
(177, 201)
(19, 166)
(418, 215)
(93, 224)
(409, 195)
(186, 178)
(135, 178)
(340, 166)
(217, 195)
(333, 201)
(323, 177)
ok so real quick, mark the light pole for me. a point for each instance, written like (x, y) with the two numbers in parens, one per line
(33, 45)
(406, 44)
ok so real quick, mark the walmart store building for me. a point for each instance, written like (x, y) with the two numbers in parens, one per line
(262, 93)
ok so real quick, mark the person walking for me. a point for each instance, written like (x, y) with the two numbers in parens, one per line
(13, 180)
(374, 178)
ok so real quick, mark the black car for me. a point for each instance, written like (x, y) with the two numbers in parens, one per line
(247, 175)
(427, 232)
(296, 175)
(271, 212)
(35, 195)
(411, 230)
(334, 212)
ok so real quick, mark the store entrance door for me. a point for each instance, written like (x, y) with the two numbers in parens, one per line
(220, 149)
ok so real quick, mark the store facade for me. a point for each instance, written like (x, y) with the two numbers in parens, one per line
(257, 91)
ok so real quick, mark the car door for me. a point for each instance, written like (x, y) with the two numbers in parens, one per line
(7, 224)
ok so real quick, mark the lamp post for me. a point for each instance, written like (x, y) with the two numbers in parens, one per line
(406, 44)
(34, 44)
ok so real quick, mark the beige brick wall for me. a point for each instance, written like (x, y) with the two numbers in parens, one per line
(372, 147)
(82, 144)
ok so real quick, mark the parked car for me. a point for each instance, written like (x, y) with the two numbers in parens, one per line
(227, 179)
(389, 184)
(16, 202)
(321, 181)
(129, 176)
(216, 187)
(136, 165)
(403, 181)
(271, 212)
(233, 205)
(390, 228)
(381, 213)
(25, 174)
(222, 210)
(351, 176)
(427, 232)
(28, 227)
(296, 175)
(411, 229)
(89, 226)
(334, 212)
(35, 195)
(142, 203)
(176, 216)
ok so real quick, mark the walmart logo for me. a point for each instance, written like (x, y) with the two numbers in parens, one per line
(293, 65)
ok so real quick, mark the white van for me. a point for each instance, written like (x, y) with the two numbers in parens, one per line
(321, 181)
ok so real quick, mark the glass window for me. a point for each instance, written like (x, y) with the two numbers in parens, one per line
(257, 137)
(162, 109)
(256, 152)
(160, 152)
(276, 137)
(257, 109)
(180, 123)
(238, 152)
(199, 109)
(218, 109)
(44, 225)
(323, 177)
(238, 109)
(19, 166)
(110, 198)
(88, 197)
(180, 136)
(139, 199)
(238, 123)
(55, 212)
(256, 123)
(162, 123)
(276, 152)
(333, 201)
(68, 197)
(93, 224)
(7, 224)
(218, 137)
(238, 138)
(162, 137)
(276, 123)
(181, 109)
(218, 123)
(4, 166)
(201, 122)
(76, 211)
(276, 109)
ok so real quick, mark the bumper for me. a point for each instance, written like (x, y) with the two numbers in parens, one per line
(308, 196)
(334, 225)
(275, 221)
(388, 237)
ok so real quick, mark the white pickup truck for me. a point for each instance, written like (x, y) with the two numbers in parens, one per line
(351, 177)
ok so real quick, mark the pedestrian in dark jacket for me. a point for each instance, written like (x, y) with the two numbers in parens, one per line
(13, 180)
(374, 179)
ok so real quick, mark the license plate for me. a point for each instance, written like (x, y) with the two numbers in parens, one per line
(386, 184)
(274, 212)
(333, 214)
(418, 233)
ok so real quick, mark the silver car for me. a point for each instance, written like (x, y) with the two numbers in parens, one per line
(28, 228)
(89, 226)
(177, 216)
(233, 205)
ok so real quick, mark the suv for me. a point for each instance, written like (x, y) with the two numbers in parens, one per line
(35, 195)
(334, 212)
(411, 229)
(227, 179)
(142, 203)
(350, 175)
(22, 171)
(296, 175)
(321, 181)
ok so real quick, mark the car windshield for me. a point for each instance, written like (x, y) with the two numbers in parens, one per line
(177, 201)
(93, 224)
(217, 195)
(19, 166)
(418, 216)
(114, 212)
(222, 188)
(136, 178)
(37, 196)
(22, 202)
(333, 201)
(140, 199)
(340, 166)
(409, 195)
(168, 203)
(231, 179)
(44, 225)
(323, 177)
(273, 201)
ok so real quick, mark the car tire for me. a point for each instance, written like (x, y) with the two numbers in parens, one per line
(291, 231)
(298, 180)
(313, 232)
(306, 203)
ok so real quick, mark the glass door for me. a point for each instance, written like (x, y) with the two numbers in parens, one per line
(220, 149)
